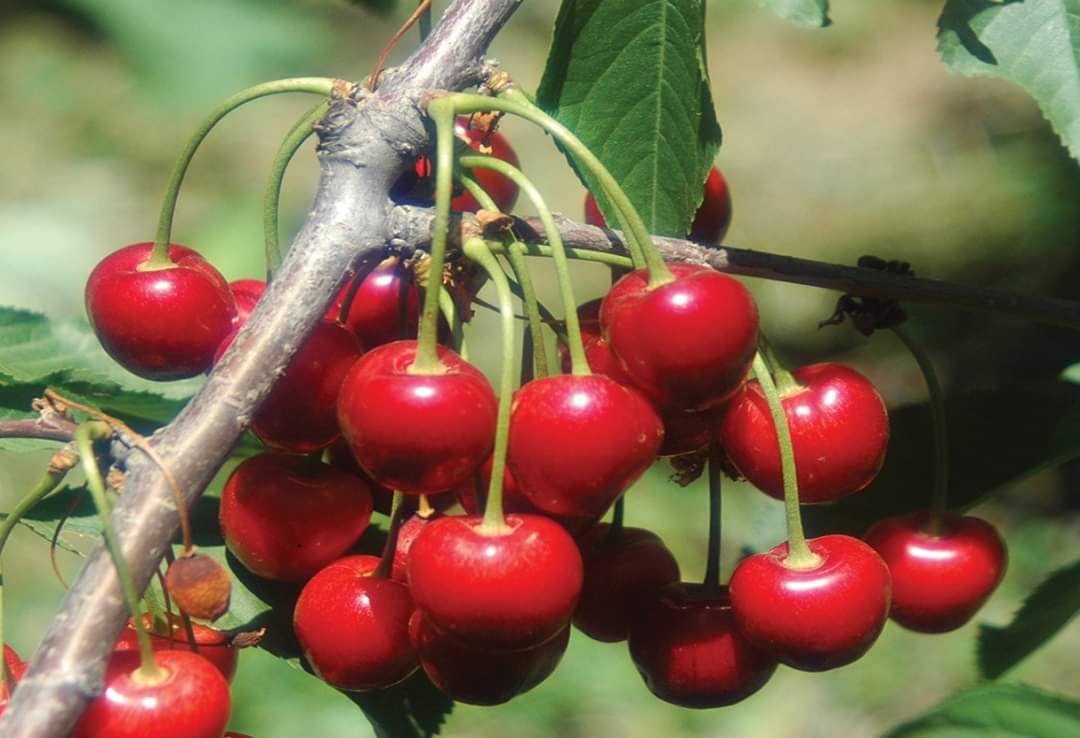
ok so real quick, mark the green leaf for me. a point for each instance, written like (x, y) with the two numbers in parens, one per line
(997, 437)
(1046, 611)
(1035, 43)
(996, 711)
(629, 78)
(813, 13)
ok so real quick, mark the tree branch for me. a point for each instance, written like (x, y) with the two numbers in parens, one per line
(51, 429)
(366, 141)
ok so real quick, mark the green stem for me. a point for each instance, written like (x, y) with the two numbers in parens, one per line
(457, 325)
(515, 255)
(579, 365)
(716, 479)
(386, 562)
(159, 257)
(294, 139)
(615, 531)
(483, 199)
(600, 257)
(85, 435)
(786, 383)
(475, 249)
(799, 554)
(940, 496)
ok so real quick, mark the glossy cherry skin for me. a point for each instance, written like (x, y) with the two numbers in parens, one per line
(479, 675)
(578, 442)
(16, 667)
(939, 581)
(285, 517)
(375, 314)
(353, 626)
(164, 323)
(246, 293)
(597, 352)
(620, 576)
(839, 430)
(813, 619)
(687, 344)
(191, 702)
(411, 527)
(502, 190)
(212, 645)
(512, 589)
(689, 651)
(418, 433)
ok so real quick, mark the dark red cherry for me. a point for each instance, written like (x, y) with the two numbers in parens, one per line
(501, 589)
(818, 618)
(479, 675)
(375, 314)
(418, 433)
(159, 323)
(285, 517)
(246, 293)
(687, 344)
(597, 352)
(687, 647)
(939, 580)
(620, 576)
(353, 626)
(212, 645)
(191, 700)
(578, 442)
(411, 527)
(839, 430)
(340, 457)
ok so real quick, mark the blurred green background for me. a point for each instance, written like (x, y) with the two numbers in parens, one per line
(837, 143)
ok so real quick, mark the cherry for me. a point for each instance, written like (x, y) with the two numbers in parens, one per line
(375, 314)
(479, 675)
(159, 323)
(285, 517)
(620, 574)
(16, 667)
(688, 649)
(418, 433)
(687, 344)
(191, 700)
(212, 645)
(246, 293)
(939, 580)
(353, 626)
(340, 457)
(410, 528)
(818, 618)
(510, 588)
(839, 430)
(578, 442)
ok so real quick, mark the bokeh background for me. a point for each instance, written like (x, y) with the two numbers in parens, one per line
(837, 143)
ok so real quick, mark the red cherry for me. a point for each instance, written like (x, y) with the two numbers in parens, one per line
(212, 645)
(375, 315)
(159, 323)
(620, 575)
(285, 517)
(597, 352)
(340, 457)
(502, 190)
(417, 433)
(687, 344)
(353, 626)
(246, 293)
(578, 442)
(410, 528)
(839, 430)
(16, 667)
(939, 581)
(688, 649)
(813, 619)
(510, 589)
(483, 676)
(191, 701)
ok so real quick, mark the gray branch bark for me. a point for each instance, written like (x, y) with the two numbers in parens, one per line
(365, 144)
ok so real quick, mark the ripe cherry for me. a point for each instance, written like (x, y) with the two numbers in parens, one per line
(509, 588)
(285, 517)
(621, 574)
(375, 314)
(687, 344)
(191, 700)
(939, 580)
(16, 667)
(340, 457)
(353, 626)
(578, 442)
(818, 618)
(687, 647)
(597, 352)
(418, 433)
(410, 528)
(159, 323)
(246, 293)
(212, 645)
(839, 430)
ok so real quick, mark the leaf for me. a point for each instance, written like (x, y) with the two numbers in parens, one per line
(814, 13)
(996, 711)
(996, 437)
(1035, 43)
(413, 709)
(629, 78)
(1046, 611)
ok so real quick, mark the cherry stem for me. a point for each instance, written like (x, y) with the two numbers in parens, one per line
(515, 255)
(294, 139)
(386, 562)
(159, 256)
(85, 435)
(615, 531)
(600, 257)
(799, 555)
(477, 250)
(579, 365)
(716, 480)
(452, 315)
(427, 357)
(940, 495)
(185, 619)
(424, 7)
(786, 383)
(424, 508)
